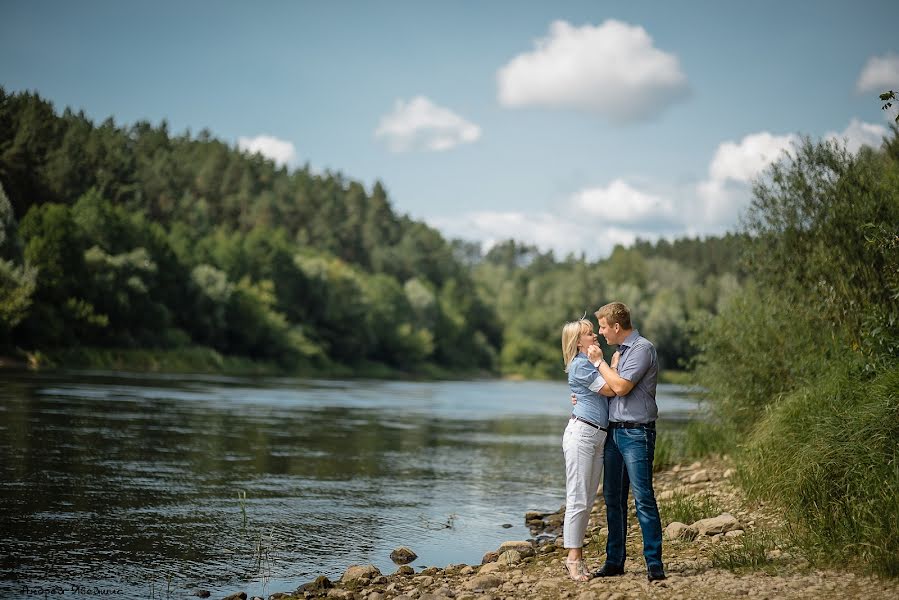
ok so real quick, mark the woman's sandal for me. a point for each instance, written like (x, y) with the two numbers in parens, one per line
(577, 570)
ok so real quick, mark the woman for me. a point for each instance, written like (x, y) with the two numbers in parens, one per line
(583, 440)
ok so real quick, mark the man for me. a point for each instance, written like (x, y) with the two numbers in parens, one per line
(630, 445)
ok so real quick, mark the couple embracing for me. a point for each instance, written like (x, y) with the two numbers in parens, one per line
(611, 434)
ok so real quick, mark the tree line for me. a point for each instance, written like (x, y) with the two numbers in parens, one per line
(130, 236)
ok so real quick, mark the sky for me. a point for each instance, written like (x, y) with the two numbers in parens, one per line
(574, 126)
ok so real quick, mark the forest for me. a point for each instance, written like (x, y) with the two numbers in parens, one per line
(125, 238)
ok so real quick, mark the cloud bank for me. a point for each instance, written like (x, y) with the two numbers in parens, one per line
(280, 151)
(421, 125)
(880, 73)
(613, 69)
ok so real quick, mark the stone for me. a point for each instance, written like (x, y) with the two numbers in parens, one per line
(375, 596)
(405, 570)
(430, 571)
(523, 548)
(489, 557)
(237, 596)
(454, 568)
(729, 473)
(321, 583)
(533, 514)
(679, 531)
(423, 581)
(491, 568)
(279, 595)
(403, 555)
(466, 570)
(716, 525)
(355, 572)
(696, 465)
(734, 533)
(340, 594)
(482, 582)
(699, 476)
(510, 557)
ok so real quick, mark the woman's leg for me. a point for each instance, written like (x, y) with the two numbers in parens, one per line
(581, 443)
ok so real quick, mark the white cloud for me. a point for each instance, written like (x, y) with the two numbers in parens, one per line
(743, 161)
(858, 134)
(619, 202)
(881, 73)
(280, 151)
(419, 124)
(612, 69)
(570, 233)
(726, 192)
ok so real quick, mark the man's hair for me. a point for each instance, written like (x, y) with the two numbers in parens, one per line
(615, 312)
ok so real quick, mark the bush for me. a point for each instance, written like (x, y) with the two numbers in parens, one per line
(829, 455)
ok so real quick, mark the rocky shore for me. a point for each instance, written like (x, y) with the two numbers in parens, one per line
(722, 547)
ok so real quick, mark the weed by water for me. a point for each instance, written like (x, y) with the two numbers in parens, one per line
(748, 552)
(688, 509)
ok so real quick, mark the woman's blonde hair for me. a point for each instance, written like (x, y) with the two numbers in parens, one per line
(570, 334)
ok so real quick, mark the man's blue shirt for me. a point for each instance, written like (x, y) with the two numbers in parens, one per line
(639, 364)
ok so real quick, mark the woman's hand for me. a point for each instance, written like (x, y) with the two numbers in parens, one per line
(573, 399)
(594, 353)
(615, 358)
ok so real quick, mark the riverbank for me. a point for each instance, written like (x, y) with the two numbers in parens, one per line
(205, 360)
(717, 545)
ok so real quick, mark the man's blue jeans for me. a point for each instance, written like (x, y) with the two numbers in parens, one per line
(628, 463)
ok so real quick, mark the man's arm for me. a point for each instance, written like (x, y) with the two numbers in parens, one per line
(618, 385)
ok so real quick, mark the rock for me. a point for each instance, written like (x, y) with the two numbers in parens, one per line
(430, 571)
(696, 465)
(699, 476)
(355, 572)
(380, 580)
(523, 548)
(716, 525)
(454, 568)
(423, 581)
(510, 557)
(342, 594)
(202, 593)
(734, 533)
(466, 570)
(482, 582)
(237, 596)
(321, 583)
(375, 596)
(729, 473)
(403, 555)
(405, 570)
(279, 595)
(491, 568)
(533, 514)
(490, 557)
(679, 531)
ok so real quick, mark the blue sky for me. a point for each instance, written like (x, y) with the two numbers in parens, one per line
(572, 125)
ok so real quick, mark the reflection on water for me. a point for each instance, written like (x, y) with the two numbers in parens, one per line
(137, 483)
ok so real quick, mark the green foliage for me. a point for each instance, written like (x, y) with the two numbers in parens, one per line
(748, 552)
(683, 508)
(830, 449)
(803, 363)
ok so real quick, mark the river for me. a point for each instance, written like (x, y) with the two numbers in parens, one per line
(140, 486)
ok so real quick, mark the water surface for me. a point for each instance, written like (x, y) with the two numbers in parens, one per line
(159, 485)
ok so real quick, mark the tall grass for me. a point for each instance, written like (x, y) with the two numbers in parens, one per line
(688, 509)
(829, 455)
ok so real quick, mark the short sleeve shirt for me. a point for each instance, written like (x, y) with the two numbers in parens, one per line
(639, 364)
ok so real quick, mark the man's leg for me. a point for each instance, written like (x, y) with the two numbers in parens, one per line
(614, 489)
(637, 447)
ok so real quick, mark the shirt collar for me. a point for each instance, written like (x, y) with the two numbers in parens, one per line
(629, 340)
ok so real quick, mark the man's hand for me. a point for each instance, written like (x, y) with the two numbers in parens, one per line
(573, 399)
(594, 353)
